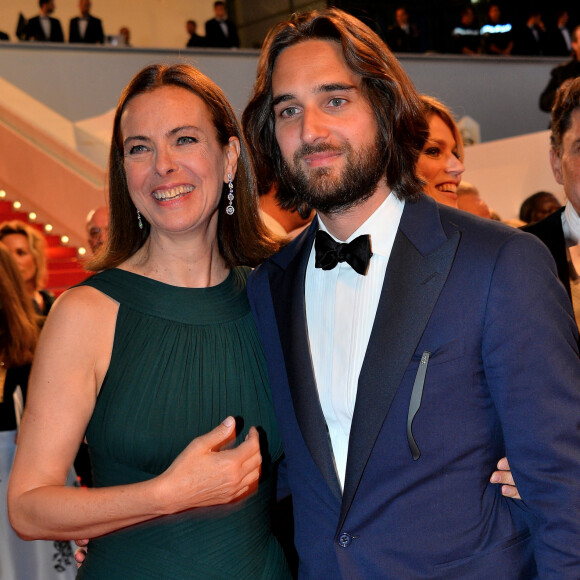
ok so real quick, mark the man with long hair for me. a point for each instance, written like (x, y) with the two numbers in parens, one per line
(406, 356)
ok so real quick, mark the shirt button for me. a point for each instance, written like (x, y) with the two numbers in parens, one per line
(344, 540)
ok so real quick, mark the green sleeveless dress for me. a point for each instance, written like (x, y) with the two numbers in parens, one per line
(183, 359)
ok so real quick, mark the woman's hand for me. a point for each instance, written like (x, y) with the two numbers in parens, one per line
(208, 473)
(81, 551)
(504, 476)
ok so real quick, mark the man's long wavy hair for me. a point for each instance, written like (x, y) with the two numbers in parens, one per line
(242, 238)
(398, 110)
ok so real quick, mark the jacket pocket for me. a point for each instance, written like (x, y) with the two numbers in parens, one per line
(512, 558)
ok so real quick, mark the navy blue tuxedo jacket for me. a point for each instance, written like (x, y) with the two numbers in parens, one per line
(93, 35)
(502, 377)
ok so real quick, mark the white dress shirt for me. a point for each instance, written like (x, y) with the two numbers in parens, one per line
(83, 24)
(571, 229)
(567, 38)
(340, 311)
(224, 26)
(571, 225)
(46, 26)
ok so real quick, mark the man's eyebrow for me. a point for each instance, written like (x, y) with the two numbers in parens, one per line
(331, 87)
(325, 88)
(282, 99)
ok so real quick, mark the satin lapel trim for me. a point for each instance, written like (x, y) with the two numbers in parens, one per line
(289, 304)
(412, 285)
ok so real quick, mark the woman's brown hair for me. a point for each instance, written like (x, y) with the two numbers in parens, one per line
(18, 321)
(434, 107)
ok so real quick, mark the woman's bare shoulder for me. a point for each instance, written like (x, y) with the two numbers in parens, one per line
(79, 331)
(82, 316)
(84, 301)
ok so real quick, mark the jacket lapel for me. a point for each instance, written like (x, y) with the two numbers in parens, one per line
(550, 231)
(287, 286)
(420, 262)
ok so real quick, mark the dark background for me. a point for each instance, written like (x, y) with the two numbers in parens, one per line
(437, 18)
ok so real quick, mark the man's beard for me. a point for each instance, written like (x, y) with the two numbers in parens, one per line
(328, 194)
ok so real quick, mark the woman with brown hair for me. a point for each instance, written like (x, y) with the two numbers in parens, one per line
(440, 163)
(27, 247)
(146, 357)
(19, 328)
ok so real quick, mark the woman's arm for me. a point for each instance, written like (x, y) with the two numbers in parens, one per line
(71, 361)
(504, 476)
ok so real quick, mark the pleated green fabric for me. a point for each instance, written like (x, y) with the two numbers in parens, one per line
(183, 359)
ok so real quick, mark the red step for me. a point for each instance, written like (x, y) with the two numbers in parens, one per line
(8, 216)
(57, 252)
(66, 278)
(66, 264)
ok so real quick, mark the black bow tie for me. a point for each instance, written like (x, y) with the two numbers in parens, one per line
(329, 253)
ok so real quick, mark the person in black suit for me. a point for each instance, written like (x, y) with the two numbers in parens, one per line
(195, 40)
(560, 231)
(403, 36)
(559, 36)
(4, 36)
(562, 73)
(44, 28)
(531, 39)
(220, 32)
(86, 28)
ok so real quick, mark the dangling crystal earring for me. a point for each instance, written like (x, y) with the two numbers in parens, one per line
(139, 220)
(230, 208)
